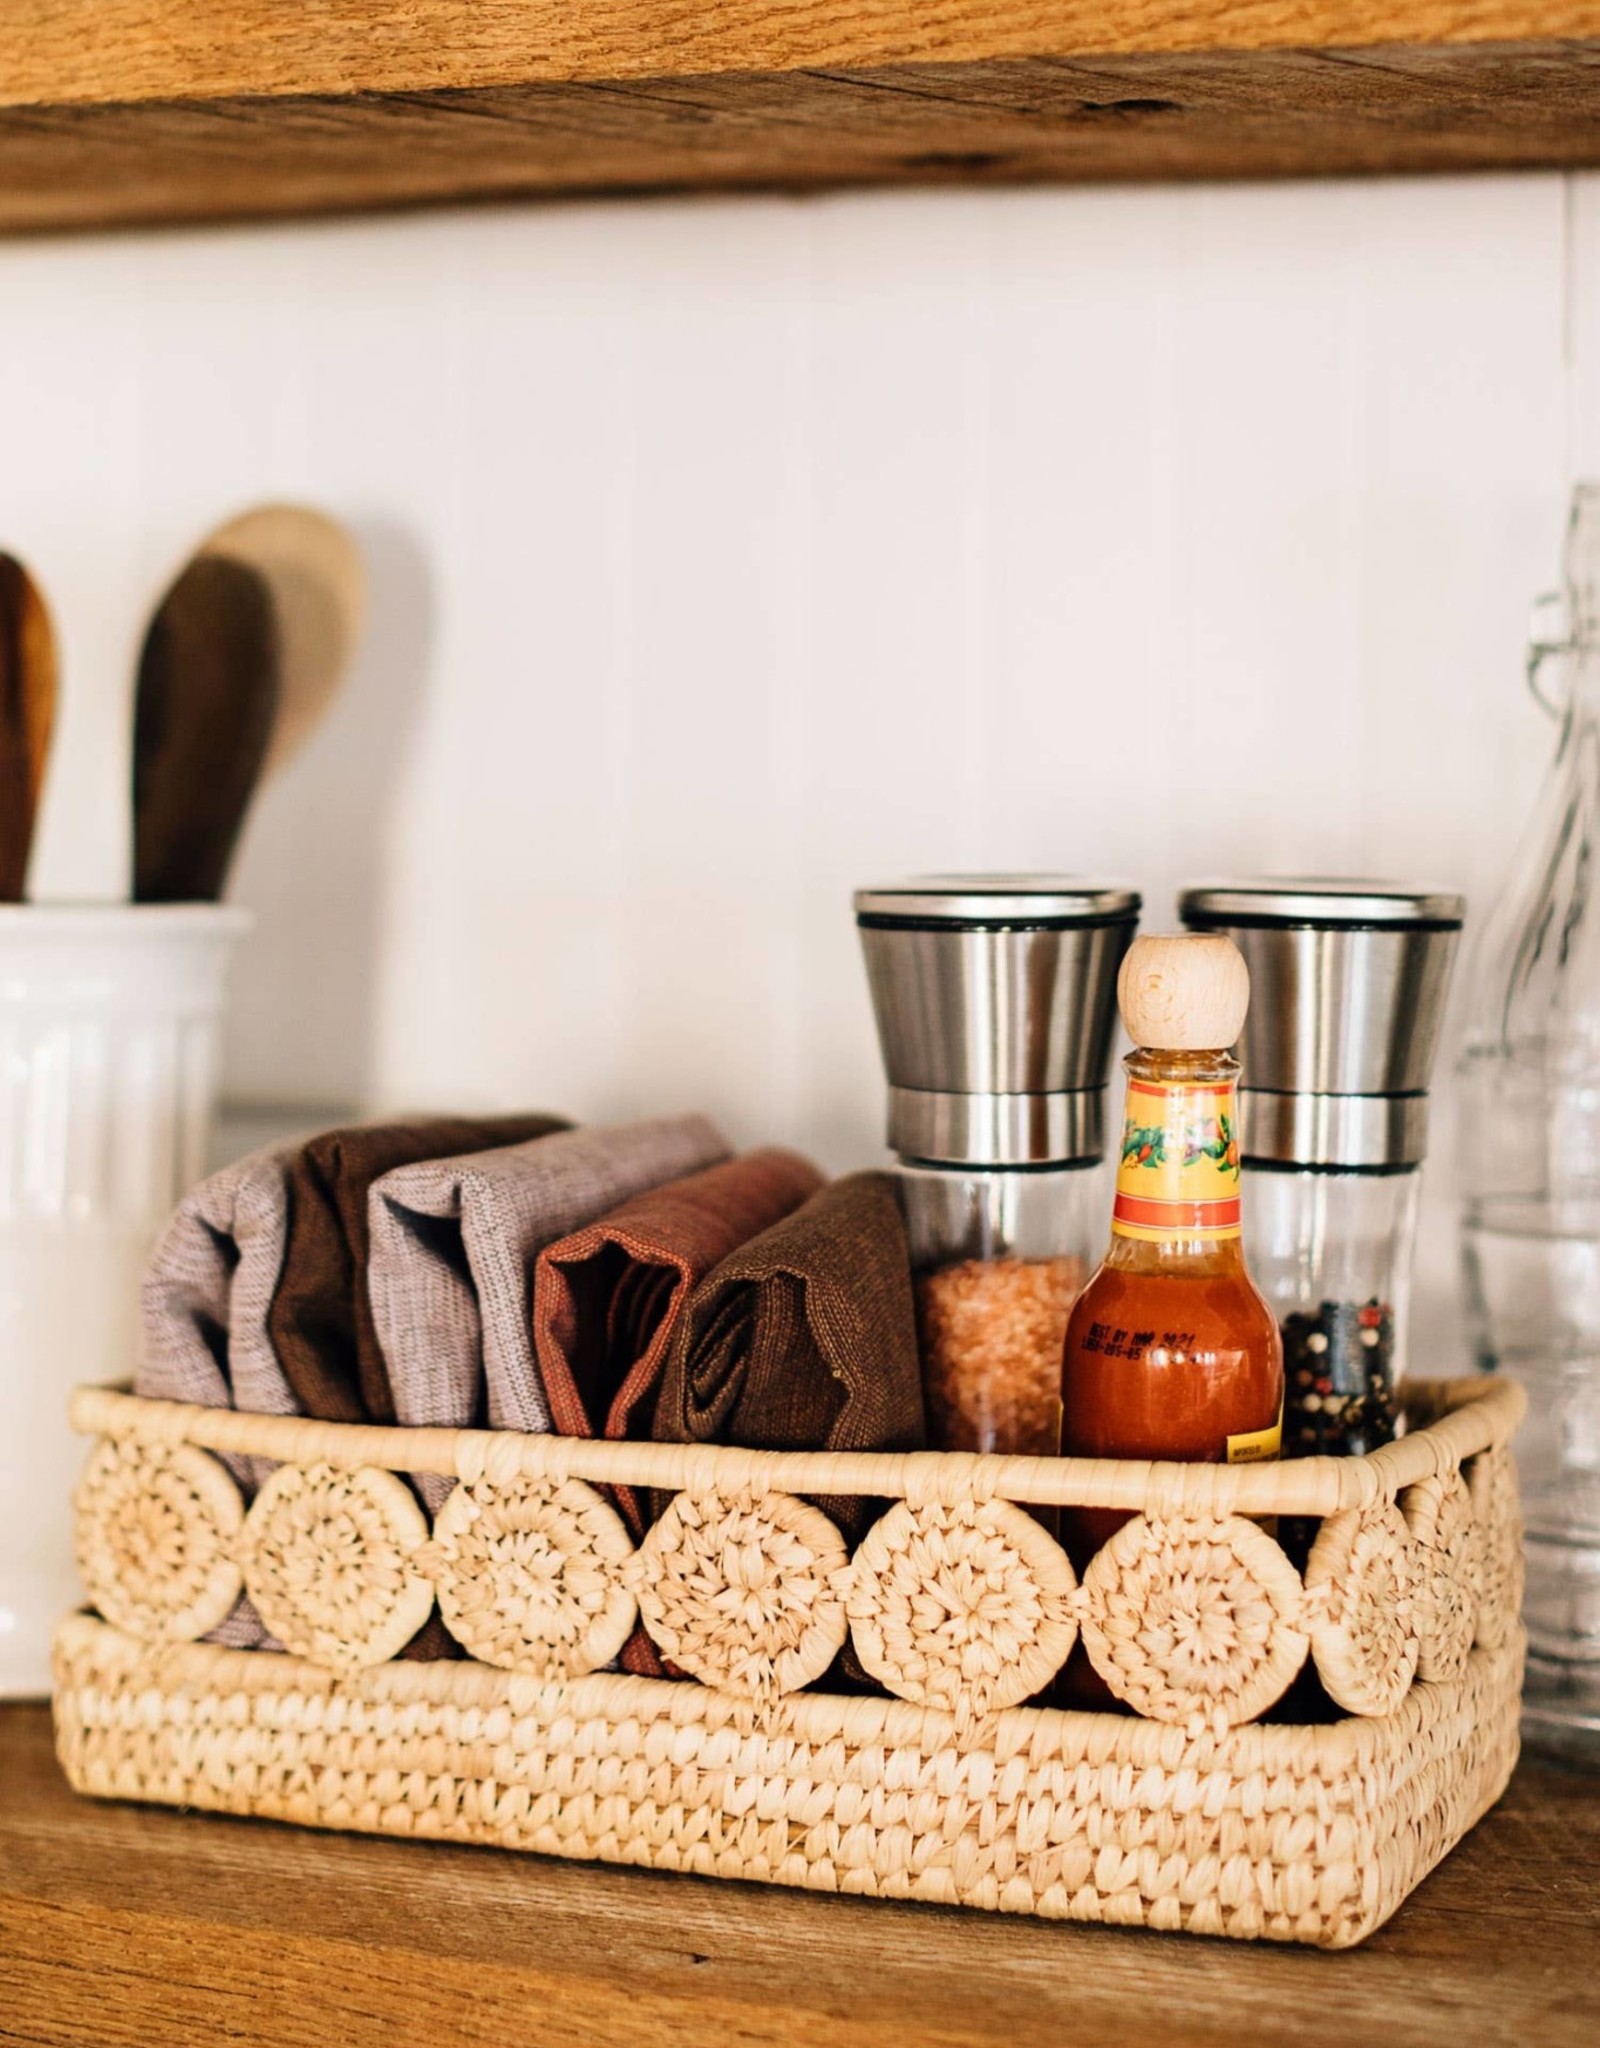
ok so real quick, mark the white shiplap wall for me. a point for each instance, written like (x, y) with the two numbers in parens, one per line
(726, 554)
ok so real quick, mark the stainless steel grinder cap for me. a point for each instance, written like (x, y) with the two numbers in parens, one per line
(996, 1002)
(1348, 982)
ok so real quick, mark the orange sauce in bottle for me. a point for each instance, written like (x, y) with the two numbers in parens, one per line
(1170, 1350)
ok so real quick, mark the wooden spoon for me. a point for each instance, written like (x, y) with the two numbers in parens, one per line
(27, 716)
(207, 701)
(313, 568)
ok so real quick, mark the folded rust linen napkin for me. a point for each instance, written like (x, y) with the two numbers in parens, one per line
(805, 1339)
(607, 1298)
(320, 1321)
(454, 1243)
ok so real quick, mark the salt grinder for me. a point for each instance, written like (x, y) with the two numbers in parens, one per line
(995, 998)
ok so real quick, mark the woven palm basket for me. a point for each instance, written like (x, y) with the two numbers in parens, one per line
(1189, 1812)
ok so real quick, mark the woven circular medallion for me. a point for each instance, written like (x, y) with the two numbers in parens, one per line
(1193, 1621)
(330, 1560)
(1439, 1511)
(1497, 1511)
(530, 1575)
(966, 1607)
(741, 1590)
(156, 1530)
(1361, 1593)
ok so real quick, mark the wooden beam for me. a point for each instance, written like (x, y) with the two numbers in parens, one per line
(121, 112)
(58, 52)
(1274, 114)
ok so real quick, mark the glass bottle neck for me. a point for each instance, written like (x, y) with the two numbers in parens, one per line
(1581, 565)
(1181, 1069)
(1536, 962)
(1582, 690)
(1177, 1203)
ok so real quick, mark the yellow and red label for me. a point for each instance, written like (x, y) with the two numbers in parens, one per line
(1178, 1175)
(1255, 1446)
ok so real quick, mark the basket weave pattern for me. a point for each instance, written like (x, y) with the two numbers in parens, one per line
(1180, 1815)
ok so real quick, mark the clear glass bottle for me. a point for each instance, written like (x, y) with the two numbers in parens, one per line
(998, 1256)
(1332, 1253)
(1530, 1165)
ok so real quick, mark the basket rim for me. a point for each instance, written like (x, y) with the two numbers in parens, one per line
(1466, 1416)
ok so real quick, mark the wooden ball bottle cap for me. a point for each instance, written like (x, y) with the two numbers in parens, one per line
(1184, 992)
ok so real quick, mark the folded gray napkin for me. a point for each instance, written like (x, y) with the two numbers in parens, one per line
(453, 1248)
(203, 1308)
(206, 1293)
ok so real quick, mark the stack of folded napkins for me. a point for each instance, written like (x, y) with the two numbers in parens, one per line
(514, 1272)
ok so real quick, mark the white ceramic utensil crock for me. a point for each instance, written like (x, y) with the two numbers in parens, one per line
(110, 1041)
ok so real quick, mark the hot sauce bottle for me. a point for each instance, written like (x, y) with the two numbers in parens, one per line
(1170, 1350)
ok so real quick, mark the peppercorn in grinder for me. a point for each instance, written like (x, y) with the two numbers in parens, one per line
(1349, 982)
(995, 1002)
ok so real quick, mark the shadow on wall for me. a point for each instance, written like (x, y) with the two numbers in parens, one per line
(314, 867)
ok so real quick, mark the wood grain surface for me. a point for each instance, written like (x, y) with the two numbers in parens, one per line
(55, 51)
(123, 1926)
(999, 120)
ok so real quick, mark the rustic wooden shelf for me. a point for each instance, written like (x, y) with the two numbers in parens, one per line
(123, 111)
(130, 1925)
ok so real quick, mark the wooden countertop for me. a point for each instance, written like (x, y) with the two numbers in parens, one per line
(128, 1925)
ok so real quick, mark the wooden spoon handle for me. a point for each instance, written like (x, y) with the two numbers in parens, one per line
(313, 567)
(27, 717)
(203, 720)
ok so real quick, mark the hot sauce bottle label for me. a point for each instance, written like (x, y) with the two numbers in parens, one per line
(1178, 1176)
(1255, 1446)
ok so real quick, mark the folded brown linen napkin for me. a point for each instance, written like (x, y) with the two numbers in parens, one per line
(454, 1243)
(607, 1298)
(320, 1322)
(805, 1339)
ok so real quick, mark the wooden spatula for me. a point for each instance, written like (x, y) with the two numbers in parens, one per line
(27, 717)
(208, 696)
(313, 568)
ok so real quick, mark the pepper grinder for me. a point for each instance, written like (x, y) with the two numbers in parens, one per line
(1349, 982)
